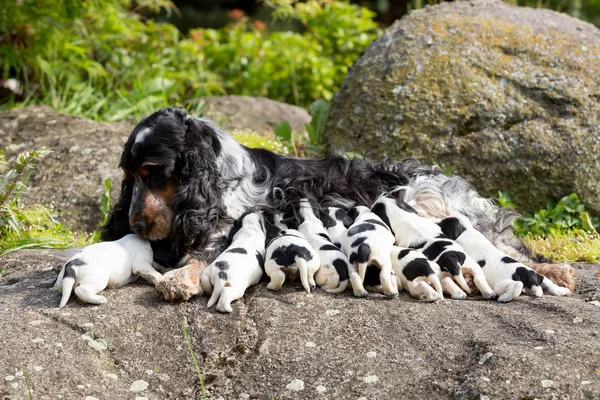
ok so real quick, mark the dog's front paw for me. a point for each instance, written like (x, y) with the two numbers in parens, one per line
(182, 283)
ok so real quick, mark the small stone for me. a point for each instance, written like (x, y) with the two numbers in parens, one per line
(484, 397)
(88, 336)
(295, 385)
(577, 320)
(595, 303)
(549, 331)
(485, 357)
(149, 372)
(19, 373)
(9, 378)
(546, 383)
(300, 304)
(583, 383)
(80, 387)
(98, 344)
(141, 398)
(38, 340)
(332, 312)
(114, 377)
(88, 325)
(311, 344)
(138, 334)
(485, 379)
(321, 389)
(362, 398)
(138, 386)
(371, 354)
(37, 368)
(36, 322)
(91, 398)
(15, 385)
(539, 347)
(370, 379)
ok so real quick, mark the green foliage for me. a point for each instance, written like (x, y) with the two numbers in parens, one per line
(255, 140)
(449, 171)
(101, 60)
(104, 209)
(567, 216)
(27, 227)
(319, 110)
(566, 247)
(283, 131)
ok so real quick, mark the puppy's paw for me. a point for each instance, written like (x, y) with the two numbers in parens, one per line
(491, 295)
(459, 295)
(182, 283)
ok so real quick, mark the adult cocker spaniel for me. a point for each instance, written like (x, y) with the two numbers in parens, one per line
(186, 181)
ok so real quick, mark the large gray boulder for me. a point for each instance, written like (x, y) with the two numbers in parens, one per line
(509, 95)
(292, 345)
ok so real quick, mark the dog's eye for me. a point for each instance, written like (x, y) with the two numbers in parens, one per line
(128, 175)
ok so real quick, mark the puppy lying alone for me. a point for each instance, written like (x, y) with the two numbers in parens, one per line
(106, 265)
(507, 276)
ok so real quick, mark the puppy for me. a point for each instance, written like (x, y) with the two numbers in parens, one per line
(333, 272)
(412, 230)
(106, 265)
(238, 267)
(417, 274)
(289, 255)
(507, 276)
(368, 241)
(336, 221)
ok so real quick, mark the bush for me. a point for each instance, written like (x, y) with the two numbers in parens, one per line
(100, 60)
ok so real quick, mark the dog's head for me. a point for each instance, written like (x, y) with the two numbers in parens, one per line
(171, 188)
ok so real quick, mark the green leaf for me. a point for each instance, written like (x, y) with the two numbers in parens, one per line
(283, 130)
(319, 110)
(449, 170)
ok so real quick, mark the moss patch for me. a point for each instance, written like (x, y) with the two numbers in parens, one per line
(562, 247)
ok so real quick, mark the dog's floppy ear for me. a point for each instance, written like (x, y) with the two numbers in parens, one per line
(198, 203)
(451, 227)
(327, 220)
(117, 224)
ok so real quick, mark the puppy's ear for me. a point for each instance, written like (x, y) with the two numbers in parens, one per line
(405, 206)
(352, 214)
(117, 224)
(451, 227)
(327, 220)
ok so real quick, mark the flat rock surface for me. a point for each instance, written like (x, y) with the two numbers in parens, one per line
(292, 345)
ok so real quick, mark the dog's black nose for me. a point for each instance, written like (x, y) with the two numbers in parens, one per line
(138, 227)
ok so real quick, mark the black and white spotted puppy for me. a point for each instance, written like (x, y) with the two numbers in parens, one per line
(336, 221)
(289, 255)
(412, 230)
(418, 274)
(332, 275)
(238, 267)
(506, 275)
(368, 242)
(106, 265)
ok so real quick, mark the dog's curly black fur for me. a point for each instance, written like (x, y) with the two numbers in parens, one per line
(216, 179)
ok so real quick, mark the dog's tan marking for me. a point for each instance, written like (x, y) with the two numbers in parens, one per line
(561, 274)
(158, 212)
(182, 283)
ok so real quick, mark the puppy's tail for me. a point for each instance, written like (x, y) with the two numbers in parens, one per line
(67, 284)
(363, 257)
(303, 269)
(220, 284)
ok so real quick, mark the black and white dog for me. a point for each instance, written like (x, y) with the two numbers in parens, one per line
(186, 181)
(337, 222)
(417, 274)
(289, 255)
(412, 230)
(506, 275)
(368, 243)
(240, 266)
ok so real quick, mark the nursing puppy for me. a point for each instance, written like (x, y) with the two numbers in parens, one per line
(289, 255)
(334, 266)
(238, 267)
(412, 230)
(106, 265)
(336, 221)
(507, 276)
(369, 243)
(417, 273)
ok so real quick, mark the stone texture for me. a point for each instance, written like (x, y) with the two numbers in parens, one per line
(71, 178)
(509, 95)
(258, 114)
(373, 348)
